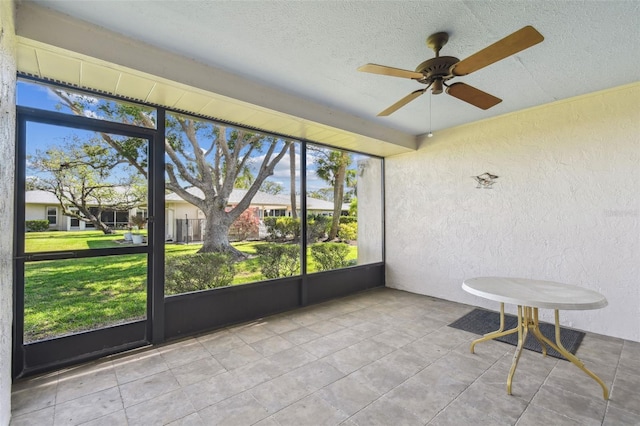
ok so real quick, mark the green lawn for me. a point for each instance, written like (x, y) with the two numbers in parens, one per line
(72, 295)
(80, 240)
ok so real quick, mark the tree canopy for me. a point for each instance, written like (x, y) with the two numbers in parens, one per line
(204, 161)
(88, 177)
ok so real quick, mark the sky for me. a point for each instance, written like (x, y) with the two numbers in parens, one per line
(41, 136)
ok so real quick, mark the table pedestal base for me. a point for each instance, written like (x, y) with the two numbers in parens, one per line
(528, 321)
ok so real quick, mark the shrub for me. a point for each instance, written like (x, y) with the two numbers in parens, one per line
(245, 225)
(278, 260)
(348, 219)
(330, 255)
(270, 223)
(37, 225)
(348, 231)
(317, 227)
(138, 221)
(200, 271)
(289, 227)
(279, 228)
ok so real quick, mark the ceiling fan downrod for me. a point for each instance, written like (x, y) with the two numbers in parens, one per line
(436, 41)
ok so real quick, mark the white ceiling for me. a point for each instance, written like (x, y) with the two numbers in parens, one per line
(311, 49)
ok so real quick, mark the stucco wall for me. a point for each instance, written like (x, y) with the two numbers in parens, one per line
(39, 212)
(565, 206)
(7, 153)
(186, 211)
(370, 229)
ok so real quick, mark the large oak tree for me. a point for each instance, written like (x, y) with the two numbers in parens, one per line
(204, 160)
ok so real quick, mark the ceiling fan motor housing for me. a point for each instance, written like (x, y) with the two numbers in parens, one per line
(437, 69)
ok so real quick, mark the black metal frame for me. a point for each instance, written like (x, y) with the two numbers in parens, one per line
(35, 357)
(173, 316)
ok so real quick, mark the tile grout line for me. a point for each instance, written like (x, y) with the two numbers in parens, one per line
(404, 381)
(613, 382)
(461, 392)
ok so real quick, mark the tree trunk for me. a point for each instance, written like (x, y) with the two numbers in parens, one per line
(338, 195)
(216, 235)
(103, 227)
(88, 217)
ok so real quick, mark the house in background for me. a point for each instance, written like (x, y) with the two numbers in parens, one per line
(185, 222)
(182, 218)
(43, 205)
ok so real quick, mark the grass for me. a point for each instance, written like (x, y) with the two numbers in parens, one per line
(65, 241)
(72, 295)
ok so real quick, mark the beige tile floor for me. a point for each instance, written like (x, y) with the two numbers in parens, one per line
(382, 357)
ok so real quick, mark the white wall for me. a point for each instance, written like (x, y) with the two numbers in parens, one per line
(565, 207)
(39, 212)
(183, 210)
(7, 174)
(370, 225)
(35, 212)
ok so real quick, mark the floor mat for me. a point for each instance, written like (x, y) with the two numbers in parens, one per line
(480, 321)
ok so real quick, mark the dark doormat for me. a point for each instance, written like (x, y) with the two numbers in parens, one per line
(480, 321)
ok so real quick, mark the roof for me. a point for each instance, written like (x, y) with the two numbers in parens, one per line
(40, 197)
(262, 199)
(46, 197)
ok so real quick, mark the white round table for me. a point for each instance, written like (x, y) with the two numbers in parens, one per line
(535, 293)
(530, 295)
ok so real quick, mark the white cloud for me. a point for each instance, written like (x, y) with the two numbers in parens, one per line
(91, 114)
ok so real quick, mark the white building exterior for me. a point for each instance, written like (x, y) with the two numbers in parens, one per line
(43, 205)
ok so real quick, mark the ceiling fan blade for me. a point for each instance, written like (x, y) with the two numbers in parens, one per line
(394, 72)
(473, 96)
(510, 45)
(402, 102)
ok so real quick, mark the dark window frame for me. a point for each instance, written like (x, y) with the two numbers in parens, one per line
(293, 292)
(54, 215)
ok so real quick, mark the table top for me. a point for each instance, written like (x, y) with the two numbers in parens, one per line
(534, 293)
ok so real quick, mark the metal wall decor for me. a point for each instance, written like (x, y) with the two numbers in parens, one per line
(485, 180)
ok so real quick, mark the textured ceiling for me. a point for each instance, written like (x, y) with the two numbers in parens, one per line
(311, 49)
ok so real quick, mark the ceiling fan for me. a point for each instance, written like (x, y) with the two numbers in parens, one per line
(436, 71)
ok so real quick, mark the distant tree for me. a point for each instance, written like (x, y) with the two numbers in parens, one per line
(202, 156)
(31, 183)
(322, 194)
(350, 182)
(85, 177)
(245, 178)
(270, 187)
(331, 166)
